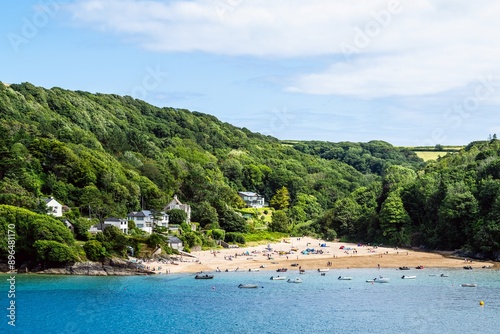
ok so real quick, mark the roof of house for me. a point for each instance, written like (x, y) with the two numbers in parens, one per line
(174, 240)
(248, 193)
(48, 199)
(113, 219)
(143, 213)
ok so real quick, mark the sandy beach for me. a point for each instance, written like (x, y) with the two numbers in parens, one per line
(333, 255)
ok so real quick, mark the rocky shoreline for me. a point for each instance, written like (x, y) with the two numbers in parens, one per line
(110, 267)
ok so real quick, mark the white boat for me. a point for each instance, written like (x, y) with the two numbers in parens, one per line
(278, 278)
(344, 278)
(408, 277)
(381, 280)
(247, 286)
(444, 275)
(295, 280)
(324, 270)
(469, 285)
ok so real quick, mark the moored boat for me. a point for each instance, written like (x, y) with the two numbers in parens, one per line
(282, 270)
(323, 270)
(378, 280)
(247, 286)
(404, 268)
(344, 278)
(444, 275)
(408, 277)
(204, 276)
(278, 278)
(295, 280)
(469, 285)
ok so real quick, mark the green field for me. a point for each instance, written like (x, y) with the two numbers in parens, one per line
(427, 153)
(430, 155)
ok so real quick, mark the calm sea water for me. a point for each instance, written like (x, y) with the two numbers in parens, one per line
(321, 304)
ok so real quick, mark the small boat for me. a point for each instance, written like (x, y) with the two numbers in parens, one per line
(468, 267)
(408, 277)
(404, 268)
(324, 270)
(344, 278)
(204, 276)
(302, 271)
(295, 280)
(469, 285)
(419, 267)
(381, 280)
(278, 278)
(256, 269)
(444, 275)
(294, 264)
(282, 270)
(247, 286)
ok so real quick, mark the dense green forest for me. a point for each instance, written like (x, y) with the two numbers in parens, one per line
(110, 155)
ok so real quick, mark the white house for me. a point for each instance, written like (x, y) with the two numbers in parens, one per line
(175, 243)
(176, 204)
(251, 199)
(146, 220)
(122, 224)
(54, 208)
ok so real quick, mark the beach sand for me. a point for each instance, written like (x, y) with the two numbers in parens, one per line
(351, 256)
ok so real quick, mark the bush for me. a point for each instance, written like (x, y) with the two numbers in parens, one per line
(94, 250)
(53, 252)
(235, 237)
(218, 234)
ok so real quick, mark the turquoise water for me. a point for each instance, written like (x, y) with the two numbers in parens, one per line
(321, 304)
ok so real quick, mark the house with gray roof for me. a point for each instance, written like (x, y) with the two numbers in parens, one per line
(251, 199)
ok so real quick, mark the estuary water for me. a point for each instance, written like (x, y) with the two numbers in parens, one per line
(321, 304)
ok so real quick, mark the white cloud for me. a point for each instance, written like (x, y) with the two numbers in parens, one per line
(379, 48)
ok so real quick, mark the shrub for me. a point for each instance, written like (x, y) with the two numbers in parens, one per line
(53, 252)
(235, 237)
(94, 250)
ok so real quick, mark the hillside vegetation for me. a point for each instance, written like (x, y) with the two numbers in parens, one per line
(109, 155)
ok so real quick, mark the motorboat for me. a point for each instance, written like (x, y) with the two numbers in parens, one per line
(282, 270)
(444, 275)
(248, 286)
(381, 280)
(204, 276)
(378, 280)
(302, 271)
(344, 278)
(295, 280)
(469, 285)
(324, 270)
(419, 267)
(254, 269)
(278, 278)
(408, 277)
(404, 268)
(468, 267)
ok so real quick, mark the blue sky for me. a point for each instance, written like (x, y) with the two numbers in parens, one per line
(408, 72)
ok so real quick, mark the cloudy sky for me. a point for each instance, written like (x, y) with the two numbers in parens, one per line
(410, 72)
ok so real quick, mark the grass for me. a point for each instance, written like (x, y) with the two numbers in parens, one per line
(430, 155)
